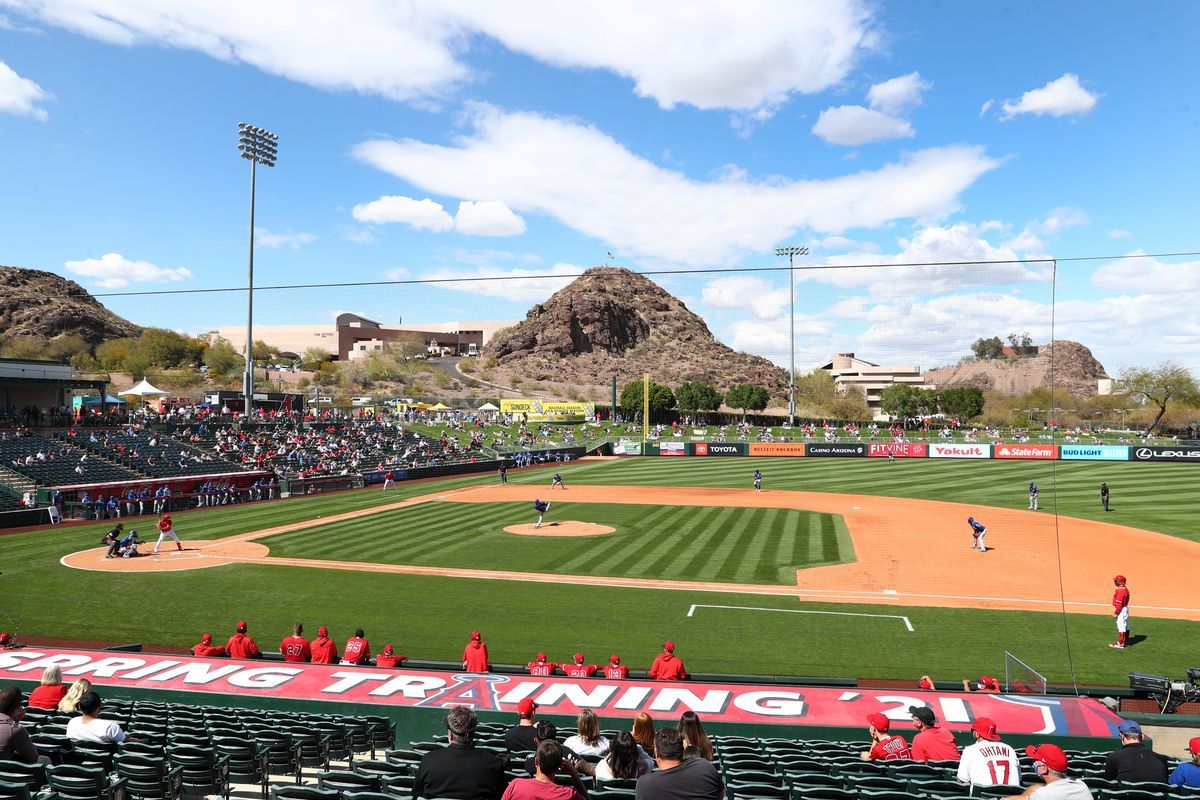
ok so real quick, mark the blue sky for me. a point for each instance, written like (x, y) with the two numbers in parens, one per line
(467, 138)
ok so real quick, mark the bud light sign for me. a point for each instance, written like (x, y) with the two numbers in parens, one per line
(1093, 452)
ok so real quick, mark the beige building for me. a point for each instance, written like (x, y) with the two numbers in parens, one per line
(849, 371)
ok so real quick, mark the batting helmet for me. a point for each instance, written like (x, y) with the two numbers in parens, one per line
(1119, 579)
(970, 519)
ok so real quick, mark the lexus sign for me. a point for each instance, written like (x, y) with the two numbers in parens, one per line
(1183, 454)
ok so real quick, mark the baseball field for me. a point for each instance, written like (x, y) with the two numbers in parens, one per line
(854, 567)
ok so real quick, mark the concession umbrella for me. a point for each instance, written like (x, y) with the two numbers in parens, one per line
(143, 390)
(439, 407)
(489, 407)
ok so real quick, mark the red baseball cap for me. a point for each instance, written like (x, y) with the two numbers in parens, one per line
(1194, 744)
(387, 649)
(4, 637)
(206, 638)
(1119, 579)
(986, 728)
(614, 659)
(668, 646)
(879, 722)
(924, 684)
(526, 707)
(322, 631)
(579, 658)
(541, 658)
(1049, 754)
(475, 636)
(241, 626)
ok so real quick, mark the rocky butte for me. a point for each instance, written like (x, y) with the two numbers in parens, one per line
(36, 303)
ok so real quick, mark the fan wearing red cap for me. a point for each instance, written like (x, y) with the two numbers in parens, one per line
(240, 645)
(1050, 763)
(988, 761)
(522, 737)
(475, 654)
(206, 649)
(389, 658)
(1120, 612)
(578, 669)
(295, 648)
(1188, 772)
(615, 670)
(357, 650)
(986, 684)
(884, 747)
(667, 666)
(540, 667)
(324, 651)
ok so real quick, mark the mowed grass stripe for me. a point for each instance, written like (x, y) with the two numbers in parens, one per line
(698, 550)
(750, 561)
(621, 548)
(664, 550)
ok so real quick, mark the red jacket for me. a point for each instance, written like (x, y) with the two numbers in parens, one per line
(46, 696)
(384, 660)
(242, 646)
(475, 657)
(295, 648)
(324, 651)
(616, 671)
(541, 669)
(667, 667)
(203, 650)
(578, 670)
(934, 744)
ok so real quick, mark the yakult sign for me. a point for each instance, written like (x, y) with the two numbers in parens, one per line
(960, 451)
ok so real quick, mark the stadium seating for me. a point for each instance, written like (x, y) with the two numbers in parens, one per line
(151, 455)
(19, 451)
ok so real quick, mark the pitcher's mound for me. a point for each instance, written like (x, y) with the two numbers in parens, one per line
(564, 527)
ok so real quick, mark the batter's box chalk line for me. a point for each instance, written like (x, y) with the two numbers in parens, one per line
(907, 623)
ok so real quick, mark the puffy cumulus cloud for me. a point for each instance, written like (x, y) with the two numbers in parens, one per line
(755, 55)
(589, 182)
(295, 241)
(1061, 218)
(855, 125)
(759, 296)
(113, 271)
(1059, 98)
(487, 218)
(898, 95)
(21, 96)
(421, 214)
(519, 284)
(1148, 275)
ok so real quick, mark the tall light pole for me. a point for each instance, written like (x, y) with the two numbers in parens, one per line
(791, 253)
(258, 146)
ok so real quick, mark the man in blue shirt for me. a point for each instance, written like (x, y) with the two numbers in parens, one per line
(1188, 773)
(978, 531)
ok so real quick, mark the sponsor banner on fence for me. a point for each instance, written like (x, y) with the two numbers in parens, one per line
(1035, 451)
(1183, 454)
(672, 448)
(960, 451)
(897, 449)
(1093, 452)
(835, 449)
(777, 448)
(720, 449)
(627, 449)
(545, 411)
(765, 704)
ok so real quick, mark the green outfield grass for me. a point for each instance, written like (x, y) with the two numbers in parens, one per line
(431, 617)
(737, 545)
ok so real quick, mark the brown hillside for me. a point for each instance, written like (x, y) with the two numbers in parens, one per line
(37, 303)
(1074, 368)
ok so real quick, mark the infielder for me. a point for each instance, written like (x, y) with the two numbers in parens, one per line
(1033, 496)
(541, 506)
(1104, 495)
(558, 481)
(757, 480)
(166, 531)
(978, 531)
(1120, 603)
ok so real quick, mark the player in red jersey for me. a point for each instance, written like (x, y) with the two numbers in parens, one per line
(541, 668)
(389, 658)
(357, 650)
(295, 647)
(240, 645)
(206, 649)
(1120, 612)
(666, 666)
(324, 651)
(615, 670)
(884, 747)
(475, 654)
(578, 669)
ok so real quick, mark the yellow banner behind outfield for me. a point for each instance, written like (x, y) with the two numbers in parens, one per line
(541, 410)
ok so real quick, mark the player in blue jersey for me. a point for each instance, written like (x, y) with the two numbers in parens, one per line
(978, 531)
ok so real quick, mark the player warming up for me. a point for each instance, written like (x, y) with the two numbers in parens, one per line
(1120, 612)
(757, 480)
(1033, 496)
(541, 506)
(166, 530)
(558, 481)
(978, 531)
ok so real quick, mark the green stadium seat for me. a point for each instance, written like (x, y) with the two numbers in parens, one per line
(249, 762)
(814, 780)
(342, 781)
(72, 782)
(287, 791)
(31, 775)
(204, 771)
(822, 793)
(15, 791)
(148, 778)
(882, 794)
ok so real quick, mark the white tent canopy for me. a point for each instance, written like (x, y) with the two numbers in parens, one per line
(143, 389)
(488, 407)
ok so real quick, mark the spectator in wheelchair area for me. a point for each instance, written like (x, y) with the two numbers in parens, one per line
(15, 742)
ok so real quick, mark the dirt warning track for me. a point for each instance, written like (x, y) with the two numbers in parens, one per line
(909, 552)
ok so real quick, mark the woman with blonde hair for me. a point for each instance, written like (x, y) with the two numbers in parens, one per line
(643, 732)
(588, 742)
(70, 702)
(695, 740)
(51, 691)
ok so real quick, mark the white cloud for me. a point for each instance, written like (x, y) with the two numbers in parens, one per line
(265, 238)
(986, 107)
(1148, 275)
(855, 125)
(421, 214)
(21, 96)
(1119, 233)
(1059, 98)
(746, 292)
(487, 218)
(359, 236)
(591, 183)
(113, 271)
(897, 95)
(1062, 218)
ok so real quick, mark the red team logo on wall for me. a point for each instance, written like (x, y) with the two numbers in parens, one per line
(1039, 451)
(898, 449)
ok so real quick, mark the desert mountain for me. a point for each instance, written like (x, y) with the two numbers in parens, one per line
(611, 321)
(36, 303)
(1065, 364)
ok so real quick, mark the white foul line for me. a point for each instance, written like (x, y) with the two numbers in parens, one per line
(907, 623)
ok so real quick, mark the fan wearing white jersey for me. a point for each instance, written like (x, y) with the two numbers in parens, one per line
(989, 761)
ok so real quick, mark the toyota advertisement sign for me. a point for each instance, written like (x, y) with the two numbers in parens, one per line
(835, 450)
(1093, 452)
(960, 451)
(1178, 454)
(720, 449)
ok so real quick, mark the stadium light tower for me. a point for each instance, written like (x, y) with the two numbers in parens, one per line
(258, 146)
(791, 253)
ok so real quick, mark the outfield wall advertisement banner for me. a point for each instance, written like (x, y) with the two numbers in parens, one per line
(835, 450)
(1179, 454)
(545, 411)
(1093, 452)
(672, 448)
(719, 449)
(627, 449)
(898, 450)
(960, 451)
(744, 703)
(792, 449)
(1027, 451)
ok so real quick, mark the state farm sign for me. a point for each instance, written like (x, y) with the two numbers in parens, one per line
(960, 451)
(1044, 451)
(898, 450)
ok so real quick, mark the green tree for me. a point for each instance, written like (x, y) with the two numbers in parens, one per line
(1161, 384)
(115, 354)
(222, 359)
(747, 397)
(314, 357)
(696, 396)
(961, 402)
(900, 400)
(661, 398)
(266, 352)
(25, 347)
(988, 348)
(166, 349)
(816, 390)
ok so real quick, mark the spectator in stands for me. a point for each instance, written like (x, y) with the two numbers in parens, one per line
(206, 649)
(643, 732)
(460, 771)
(1188, 772)
(931, 743)
(884, 747)
(666, 666)
(51, 691)
(540, 667)
(986, 684)
(475, 654)
(70, 702)
(626, 760)
(324, 651)
(15, 743)
(1050, 764)
(588, 741)
(522, 737)
(541, 786)
(615, 670)
(357, 650)
(1134, 761)
(692, 778)
(988, 761)
(88, 727)
(240, 645)
(578, 669)
(695, 740)
(389, 658)
(295, 648)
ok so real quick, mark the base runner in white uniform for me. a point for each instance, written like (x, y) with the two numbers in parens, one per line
(989, 761)
(166, 531)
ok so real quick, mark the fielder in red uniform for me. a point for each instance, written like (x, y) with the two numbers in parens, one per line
(666, 666)
(357, 650)
(615, 670)
(206, 649)
(1120, 612)
(540, 667)
(324, 651)
(389, 657)
(295, 647)
(240, 645)
(578, 669)
(884, 747)
(475, 655)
